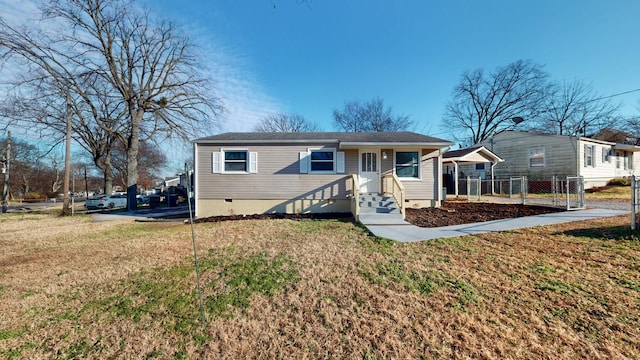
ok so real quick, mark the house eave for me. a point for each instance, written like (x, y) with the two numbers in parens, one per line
(626, 147)
(307, 141)
(392, 145)
(582, 138)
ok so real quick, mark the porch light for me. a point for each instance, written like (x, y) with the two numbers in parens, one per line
(384, 155)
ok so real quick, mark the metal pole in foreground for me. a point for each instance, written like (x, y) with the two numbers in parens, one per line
(195, 247)
(634, 201)
(7, 166)
(67, 161)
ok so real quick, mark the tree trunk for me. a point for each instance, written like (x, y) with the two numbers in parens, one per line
(107, 172)
(133, 147)
(108, 182)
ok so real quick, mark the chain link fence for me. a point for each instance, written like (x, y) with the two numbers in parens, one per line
(566, 192)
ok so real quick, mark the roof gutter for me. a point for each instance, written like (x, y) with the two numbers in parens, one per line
(307, 141)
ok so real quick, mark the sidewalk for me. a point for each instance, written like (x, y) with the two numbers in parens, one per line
(141, 215)
(405, 232)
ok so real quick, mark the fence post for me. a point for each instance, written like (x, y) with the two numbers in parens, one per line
(554, 196)
(468, 188)
(510, 187)
(568, 195)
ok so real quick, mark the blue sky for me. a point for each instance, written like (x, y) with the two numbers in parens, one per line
(308, 58)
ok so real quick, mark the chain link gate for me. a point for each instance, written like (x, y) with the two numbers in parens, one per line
(519, 186)
(474, 188)
(568, 192)
(635, 202)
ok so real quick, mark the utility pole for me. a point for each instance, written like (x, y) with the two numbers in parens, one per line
(86, 184)
(67, 161)
(7, 165)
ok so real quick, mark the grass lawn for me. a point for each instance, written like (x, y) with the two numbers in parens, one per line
(70, 288)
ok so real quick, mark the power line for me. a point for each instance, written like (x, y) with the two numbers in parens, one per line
(614, 95)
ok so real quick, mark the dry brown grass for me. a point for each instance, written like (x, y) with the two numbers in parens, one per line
(72, 288)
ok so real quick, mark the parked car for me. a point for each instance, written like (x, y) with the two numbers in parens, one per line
(142, 199)
(106, 202)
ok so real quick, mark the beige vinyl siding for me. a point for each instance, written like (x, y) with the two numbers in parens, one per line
(560, 155)
(426, 187)
(278, 175)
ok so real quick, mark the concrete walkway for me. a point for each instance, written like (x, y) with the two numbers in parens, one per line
(405, 232)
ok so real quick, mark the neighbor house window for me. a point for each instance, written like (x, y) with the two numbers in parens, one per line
(606, 155)
(589, 150)
(627, 162)
(536, 157)
(408, 164)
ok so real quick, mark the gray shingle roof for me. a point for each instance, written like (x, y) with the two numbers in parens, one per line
(459, 152)
(337, 137)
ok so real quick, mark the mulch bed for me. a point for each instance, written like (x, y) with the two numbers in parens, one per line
(318, 216)
(458, 212)
(451, 213)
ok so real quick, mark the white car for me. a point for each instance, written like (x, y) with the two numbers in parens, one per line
(106, 202)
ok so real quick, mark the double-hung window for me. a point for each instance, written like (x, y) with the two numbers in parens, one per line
(407, 164)
(536, 157)
(606, 155)
(588, 156)
(234, 161)
(322, 161)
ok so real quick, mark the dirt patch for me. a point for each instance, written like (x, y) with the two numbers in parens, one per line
(457, 212)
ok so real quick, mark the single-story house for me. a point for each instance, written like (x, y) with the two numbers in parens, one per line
(476, 162)
(248, 173)
(541, 156)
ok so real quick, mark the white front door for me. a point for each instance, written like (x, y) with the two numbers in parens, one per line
(369, 171)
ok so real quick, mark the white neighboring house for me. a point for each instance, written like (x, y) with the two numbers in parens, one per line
(541, 156)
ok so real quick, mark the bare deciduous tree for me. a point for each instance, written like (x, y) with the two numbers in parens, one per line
(484, 104)
(148, 67)
(357, 116)
(284, 122)
(575, 109)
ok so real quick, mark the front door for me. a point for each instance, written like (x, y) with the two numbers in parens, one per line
(369, 171)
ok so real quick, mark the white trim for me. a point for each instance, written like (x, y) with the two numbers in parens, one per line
(216, 166)
(303, 158)
(253, 162)
(340, 162)
(196, 183)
